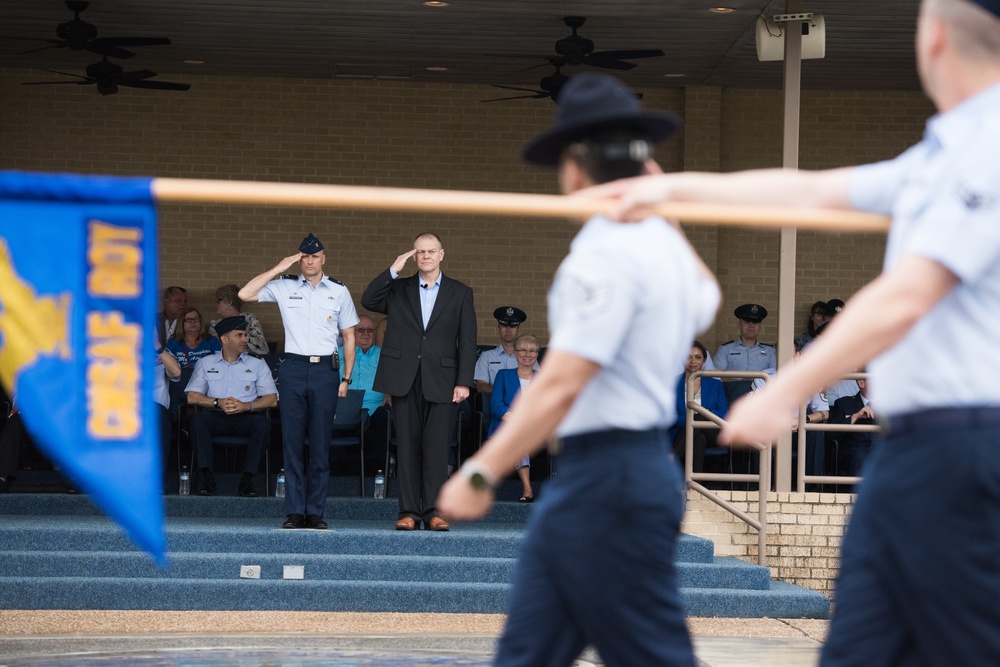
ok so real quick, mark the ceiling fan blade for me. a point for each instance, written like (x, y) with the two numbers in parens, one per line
(132, 41)
(54, 45)
(607, 63)
(105, 49)
(128, 77)
(519, 97)
(55, 71)
(628, 54)
(523, 90)
(156, 85)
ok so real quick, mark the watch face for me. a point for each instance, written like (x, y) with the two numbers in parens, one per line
(478, 481)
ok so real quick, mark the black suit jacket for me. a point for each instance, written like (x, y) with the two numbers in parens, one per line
(843, 408)
(445, 353)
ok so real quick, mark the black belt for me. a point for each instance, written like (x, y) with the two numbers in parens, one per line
(308, 359)
(602, 439)
(944, 418)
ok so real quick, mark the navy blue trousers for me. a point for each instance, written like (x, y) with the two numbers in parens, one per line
(251, 425)
(597, 563)
(308, 404)
(920, 571)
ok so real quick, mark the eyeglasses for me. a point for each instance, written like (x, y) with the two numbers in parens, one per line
(526, 351)
(191, 319)
(365, 330)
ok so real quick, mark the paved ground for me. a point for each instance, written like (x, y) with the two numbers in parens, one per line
(169, 638)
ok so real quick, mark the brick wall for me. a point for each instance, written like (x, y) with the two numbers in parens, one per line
(430, 136)
(804, 532)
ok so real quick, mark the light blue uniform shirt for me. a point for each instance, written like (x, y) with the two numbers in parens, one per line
(245, 379)
(363, 375)
(312, 316)
(631, 299)
(944, 198)
(737, 356)
(492, 361)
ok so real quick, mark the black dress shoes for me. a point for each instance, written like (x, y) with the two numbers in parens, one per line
(294, 521)
(207, 487)
(246, 489)
(315, 521)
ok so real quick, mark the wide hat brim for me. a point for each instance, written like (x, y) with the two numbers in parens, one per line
(590, 103)
(546, 149)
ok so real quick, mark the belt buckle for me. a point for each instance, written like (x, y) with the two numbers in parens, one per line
(314, 360)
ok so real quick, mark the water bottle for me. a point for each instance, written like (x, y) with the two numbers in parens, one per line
(279, 484)
(184, 487)
(380, 486)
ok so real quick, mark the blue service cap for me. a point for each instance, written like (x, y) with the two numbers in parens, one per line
(751, 312)
(310, 245)
(992, 6)
(227, 324)
(510, 316)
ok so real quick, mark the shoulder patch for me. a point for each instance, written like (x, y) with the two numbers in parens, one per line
(729, 342)
(335, 281)
(766, 344)
(288, 276)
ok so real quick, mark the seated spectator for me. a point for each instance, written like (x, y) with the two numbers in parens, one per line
(175, 302)
(13, 438)
(817, 412)
(234, 388)
(366, 356)
(840, 388)
(166, 367)
(817, 317)
(509, 320)
(746, 353)
(191, 341)
(854, 447)
(229, 304)
(507, 383)
(708, 393)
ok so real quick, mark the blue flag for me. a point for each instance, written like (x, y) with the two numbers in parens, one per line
(77, 324)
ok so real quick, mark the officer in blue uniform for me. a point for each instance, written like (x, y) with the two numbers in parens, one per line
(315, 309)
(509, 320)
(746, 353)
(234, 388)
(920, 571)
(597, 562)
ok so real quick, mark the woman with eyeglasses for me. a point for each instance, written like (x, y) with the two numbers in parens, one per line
(506, 386)
(191, 341)
(707, 392)
(229, 304)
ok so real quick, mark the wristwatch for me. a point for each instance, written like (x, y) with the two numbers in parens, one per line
(479, 475)
(347, 380)
(160, 350)
(215, 402)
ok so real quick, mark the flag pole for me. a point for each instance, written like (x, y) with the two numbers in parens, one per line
(253, 193)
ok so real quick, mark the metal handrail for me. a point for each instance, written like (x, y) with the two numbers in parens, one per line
(804, 426)
(693, 478)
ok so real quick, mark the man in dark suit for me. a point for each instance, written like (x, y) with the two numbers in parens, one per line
(854, 447)
(427, 363)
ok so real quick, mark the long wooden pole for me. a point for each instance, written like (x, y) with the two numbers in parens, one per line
(248, 193)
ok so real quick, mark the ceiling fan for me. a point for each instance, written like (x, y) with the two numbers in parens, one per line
(79, 35)
(550, 85)
(577, 50)
(108, 76)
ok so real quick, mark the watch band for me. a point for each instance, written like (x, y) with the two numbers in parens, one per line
(215, 402)
(479, 475)
(347, 380)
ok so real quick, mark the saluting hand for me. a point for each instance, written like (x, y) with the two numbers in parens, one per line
(288, 262)
(397, 266)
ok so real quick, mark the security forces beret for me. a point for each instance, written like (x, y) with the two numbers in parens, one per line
(751, 312)
(509, 316)
(310, 245)
(833, 306)
(992, 6)
(234, 323)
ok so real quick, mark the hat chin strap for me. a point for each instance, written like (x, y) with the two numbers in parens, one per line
(636, 150)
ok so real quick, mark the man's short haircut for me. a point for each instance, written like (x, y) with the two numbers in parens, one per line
(173, 289)
(231, 294)
(610, 154)
(430, 235)
(976, 30)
